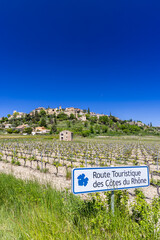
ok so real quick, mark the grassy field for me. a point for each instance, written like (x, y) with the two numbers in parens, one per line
(32, 211)
(79, 138)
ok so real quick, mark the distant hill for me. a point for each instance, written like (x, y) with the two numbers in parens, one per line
(81, 122)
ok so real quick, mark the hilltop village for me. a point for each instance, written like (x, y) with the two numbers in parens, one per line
(81, 122)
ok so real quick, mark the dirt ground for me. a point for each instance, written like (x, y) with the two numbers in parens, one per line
(59, 182)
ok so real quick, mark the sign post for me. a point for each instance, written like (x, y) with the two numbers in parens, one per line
(112, 201)
(88, 180)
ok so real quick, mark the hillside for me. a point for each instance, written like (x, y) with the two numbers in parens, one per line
(80, 122)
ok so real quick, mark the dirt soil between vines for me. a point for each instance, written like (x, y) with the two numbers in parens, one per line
(59, 182)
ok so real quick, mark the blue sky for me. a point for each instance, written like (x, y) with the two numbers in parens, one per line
(99, 54)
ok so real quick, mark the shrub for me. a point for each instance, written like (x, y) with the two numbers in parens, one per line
(28, 130)
(10, 130)
(85, 133)
(62, 116)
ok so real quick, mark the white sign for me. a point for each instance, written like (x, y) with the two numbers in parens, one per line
(86, 180)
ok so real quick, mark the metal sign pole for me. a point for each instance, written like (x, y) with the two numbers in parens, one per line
(112, 202)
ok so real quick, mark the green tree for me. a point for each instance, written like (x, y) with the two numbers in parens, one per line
(15, 114)
(5, 119)
(110, 123)
(53, 129)
(42, 113)
(88, 111)
(104, 119)
(37, 116)
(16, 131)
(87, 116)
(62, 116)
(27, 130)
(86, 124)
(55, 120)
(27, 117)
(78, 129)
(97, 129)
(113, 118)
(43, 123)
(2, 120)
(85, 133)
(104, 129)
(72, 116)
(93, 120)
(91, 130)
(73, 121)
(10, 130)
(68, 124)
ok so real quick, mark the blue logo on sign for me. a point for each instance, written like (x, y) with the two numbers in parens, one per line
(82, 180)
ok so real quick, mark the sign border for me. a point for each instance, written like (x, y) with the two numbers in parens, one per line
(111, 189)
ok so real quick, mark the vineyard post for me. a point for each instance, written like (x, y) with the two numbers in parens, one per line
(157, 160)
(41, 162)
(97, 161)
(14, 154)
(58, 156)
(86, 161)
(86, 156)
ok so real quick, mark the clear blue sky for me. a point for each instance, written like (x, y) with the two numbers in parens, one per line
(99, 54)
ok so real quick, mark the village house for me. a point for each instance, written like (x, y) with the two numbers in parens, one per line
(74, 111)
(40, 130)
(100, 115)
(17, 115)
(20, 115)
(7, 126)
(37, 110)
(51, 111)
(140, 124)
(70, 109)
(93, 114)
(65, 136)
(22, 127)
(131, 123)
(82, 118)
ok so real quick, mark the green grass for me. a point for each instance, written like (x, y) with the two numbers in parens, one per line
(29, 210)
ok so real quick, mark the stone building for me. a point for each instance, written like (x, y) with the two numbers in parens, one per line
(65, 136)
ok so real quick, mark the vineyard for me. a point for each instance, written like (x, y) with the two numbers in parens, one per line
(58, 158)
(30, 210)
